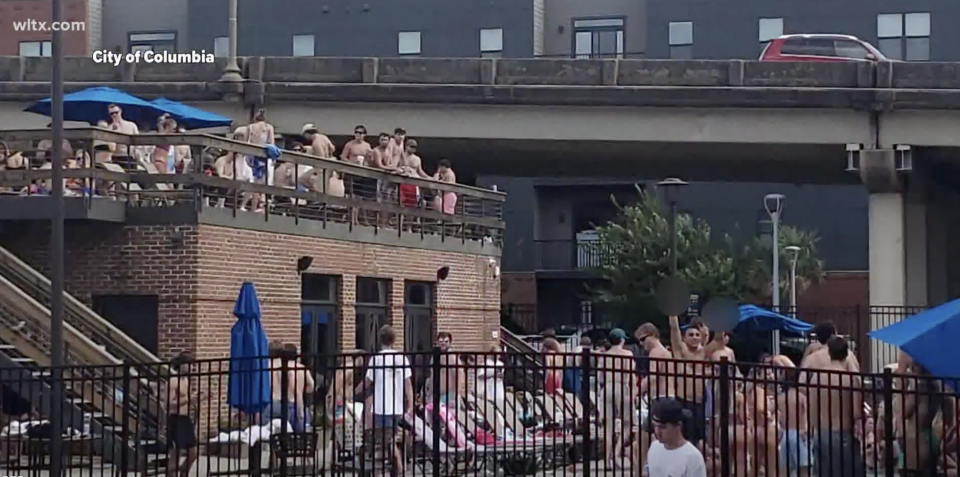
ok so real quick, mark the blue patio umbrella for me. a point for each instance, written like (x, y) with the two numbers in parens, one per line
(191, 117)
(754, 318)
(90, 105)
(929, 338)
(249, 362)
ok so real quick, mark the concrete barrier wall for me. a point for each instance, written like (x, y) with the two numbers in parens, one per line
(513, 72)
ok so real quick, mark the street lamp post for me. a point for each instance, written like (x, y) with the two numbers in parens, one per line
(774, 205)
(231, 73)
(56, 246)
(669, 185)
(794, 252)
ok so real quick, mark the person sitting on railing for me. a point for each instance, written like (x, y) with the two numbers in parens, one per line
(445, 201)
(320, 144)
(103, 150)
(184, 155)
(45, 149)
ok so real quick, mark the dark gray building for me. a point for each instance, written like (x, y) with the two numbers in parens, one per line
(383, 28)
(549, 222)
(902, 29)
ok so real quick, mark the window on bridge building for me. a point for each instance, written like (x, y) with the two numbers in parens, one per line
(491, 42)
(408, 43)
(152, 41)
(904, 36)
(304, 45)
(769, 29)
(681, 40)
(36, 48)
(598, 37)
(221, 47)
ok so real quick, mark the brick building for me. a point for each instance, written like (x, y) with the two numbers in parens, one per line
(16, 41)
(193, 273)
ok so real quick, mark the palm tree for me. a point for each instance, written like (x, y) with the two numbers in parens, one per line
(757, 263)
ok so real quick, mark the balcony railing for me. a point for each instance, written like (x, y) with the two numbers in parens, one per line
(321, 189)
(569, 255)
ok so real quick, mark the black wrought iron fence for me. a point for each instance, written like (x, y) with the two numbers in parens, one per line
(455, 413)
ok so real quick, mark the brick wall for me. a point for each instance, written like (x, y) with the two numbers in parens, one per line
(197, 270)
(75, 42)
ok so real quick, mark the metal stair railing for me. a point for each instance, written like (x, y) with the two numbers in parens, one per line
(22, 326)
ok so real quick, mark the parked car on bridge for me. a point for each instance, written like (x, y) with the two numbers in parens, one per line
(820, 48)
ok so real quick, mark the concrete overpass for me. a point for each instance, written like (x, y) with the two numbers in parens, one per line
(714, 120)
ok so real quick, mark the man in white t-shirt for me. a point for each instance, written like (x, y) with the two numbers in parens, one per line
(671, 455)
(390, 375)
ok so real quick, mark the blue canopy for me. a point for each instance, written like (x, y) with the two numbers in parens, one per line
(90, 105)
(249, 362)
(191, 117)
(754, 318)
(929, 338)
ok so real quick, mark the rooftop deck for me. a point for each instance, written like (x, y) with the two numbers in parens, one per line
(375, 207)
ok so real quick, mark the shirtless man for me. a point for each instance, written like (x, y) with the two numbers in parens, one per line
(320, 145)
(410, 162)
(181, 431)
(741, 440)
(816, 355)
(660, 381)
(836, 403)
(618, 368)
(445, 201)
(358, 150)
(688, 347)
(385, 160)
(301, 379)
(796, 454)
(397, 143)
(658, 384)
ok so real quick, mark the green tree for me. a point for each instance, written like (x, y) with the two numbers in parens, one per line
(757, 258)
(635, 247)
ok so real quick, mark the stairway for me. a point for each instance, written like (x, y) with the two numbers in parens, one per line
(525, 366)
(95, 354)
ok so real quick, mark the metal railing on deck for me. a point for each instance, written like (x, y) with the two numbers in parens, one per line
(457, 415)
(305, 187)
(568, 255)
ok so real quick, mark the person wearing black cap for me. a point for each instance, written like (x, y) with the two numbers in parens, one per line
(671, 455)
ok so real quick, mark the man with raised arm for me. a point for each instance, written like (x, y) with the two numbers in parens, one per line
(691, 386)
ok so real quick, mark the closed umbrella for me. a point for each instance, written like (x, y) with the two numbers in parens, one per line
(90, 105)
(249, 389)
(191, 117)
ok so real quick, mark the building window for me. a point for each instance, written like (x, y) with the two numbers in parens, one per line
(418, 328)
(769, 29)
(904, 36)
(598, 38)
(491, 42)
(408, 43)
(372, 305)
(152, 41)
(36, 48)
(681, 40)
(303, 45)
(319, 324)
(221, 47)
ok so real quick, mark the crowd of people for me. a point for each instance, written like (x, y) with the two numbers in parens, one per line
(393, 153)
